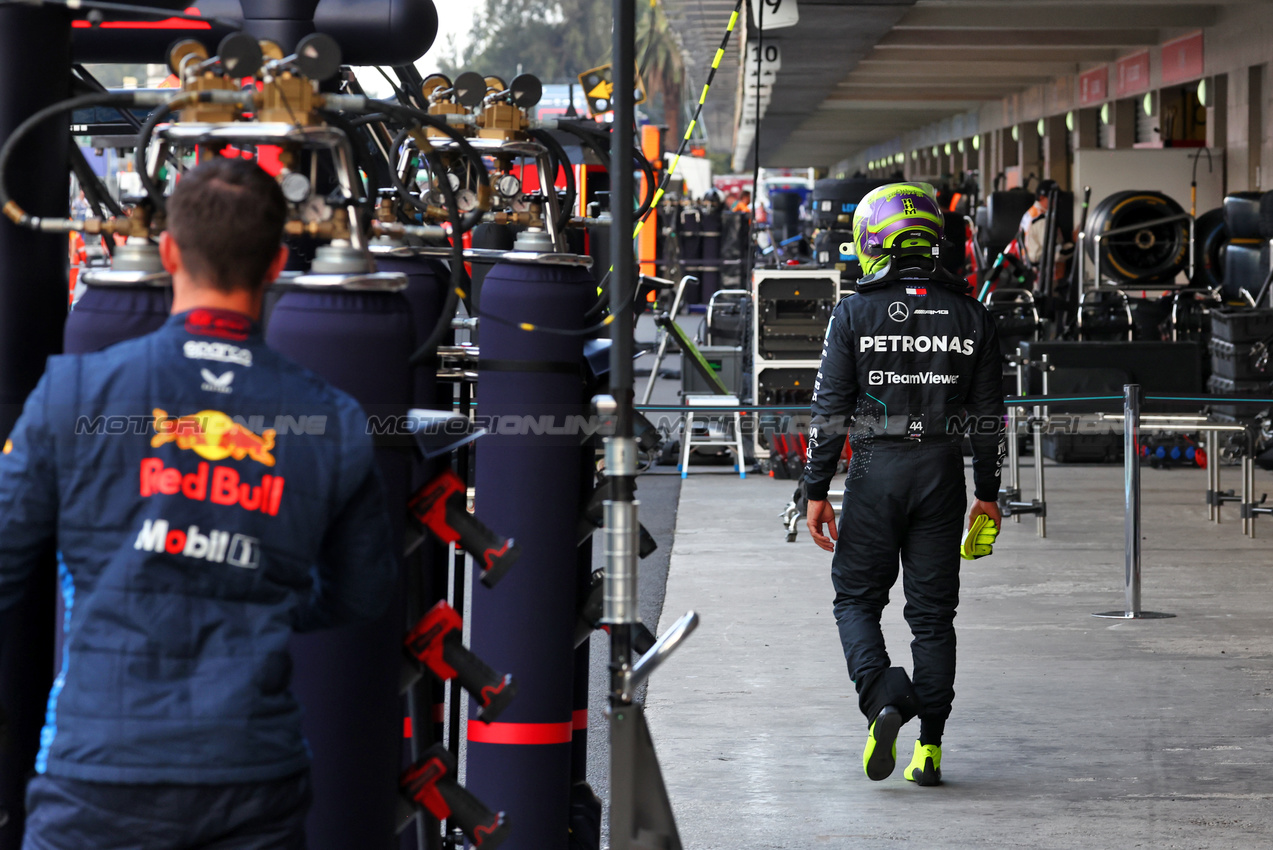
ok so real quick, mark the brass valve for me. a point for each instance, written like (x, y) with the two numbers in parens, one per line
(502, 121)
(336, 227)
(211, 113)
(386, 211)
(530, 219)
(287, 99)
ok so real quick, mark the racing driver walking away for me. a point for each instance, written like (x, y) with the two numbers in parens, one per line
(909, 364)
(192, 543)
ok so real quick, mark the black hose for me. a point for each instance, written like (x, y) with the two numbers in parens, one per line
(560, 158)
(11, 143)
(373, 118)
(427, 350)
(362, 159)
(94, 192)
(590, 137)
(396, 178)
(418, 118)
(147, 130)
(651, 188)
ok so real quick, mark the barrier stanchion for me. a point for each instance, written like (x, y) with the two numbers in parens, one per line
(1041, 415)
(1131, 517)
(1036, 425)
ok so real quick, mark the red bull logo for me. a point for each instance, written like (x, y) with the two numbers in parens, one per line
(220, 485)
(213, 435)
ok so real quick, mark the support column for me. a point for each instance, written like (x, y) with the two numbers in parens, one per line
(1028, 151)
(1056, 160)
(1087, 124)
(1218, 120)
(1124, 121)
(35, 45)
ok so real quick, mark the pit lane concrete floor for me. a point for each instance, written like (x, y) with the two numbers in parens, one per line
(1068, 731)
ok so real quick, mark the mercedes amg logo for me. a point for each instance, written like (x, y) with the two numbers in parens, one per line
(898, 312)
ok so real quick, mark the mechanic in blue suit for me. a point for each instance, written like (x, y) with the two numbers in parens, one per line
(208, 497)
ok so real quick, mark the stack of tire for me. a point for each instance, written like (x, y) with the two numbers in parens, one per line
(698, 231)
(1246, 254)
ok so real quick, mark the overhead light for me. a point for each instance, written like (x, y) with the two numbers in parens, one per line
(935, 151)
(839, 176)
(1042, 127)
(960, 145)
(1148, 103)
(947, 149)
(1105, 117)
(1069, 120)
(976, 142)
(1202, 92)
(1016, 133)
(914, 155)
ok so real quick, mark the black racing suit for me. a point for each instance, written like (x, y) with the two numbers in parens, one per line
(910, 363)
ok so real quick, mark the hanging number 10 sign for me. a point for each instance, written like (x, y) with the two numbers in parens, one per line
(769, 64)
(778, 13)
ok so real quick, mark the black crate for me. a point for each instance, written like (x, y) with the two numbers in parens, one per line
(1241, 325)
(1218, 385)
(1234, 360)
(1084, 448)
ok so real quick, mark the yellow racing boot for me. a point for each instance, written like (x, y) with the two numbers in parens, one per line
(925, 766)
(880, 756)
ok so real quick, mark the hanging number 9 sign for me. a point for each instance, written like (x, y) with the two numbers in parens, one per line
(778, 14)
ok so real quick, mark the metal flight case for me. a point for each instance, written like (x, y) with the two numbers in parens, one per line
(789, 321)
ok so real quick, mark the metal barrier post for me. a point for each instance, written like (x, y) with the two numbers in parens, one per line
(1248, 491)
(1012, 493)
(1131, 517)
(1013, 489)
(1213, 476)
(1041, 417)
(1010, 499)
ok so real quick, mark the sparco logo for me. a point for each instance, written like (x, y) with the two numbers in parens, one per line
(216, 547)
(222, 351)
(898, 312)
(879, 378)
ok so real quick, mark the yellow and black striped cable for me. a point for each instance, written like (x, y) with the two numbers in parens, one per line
(698, 112)
(667, 179)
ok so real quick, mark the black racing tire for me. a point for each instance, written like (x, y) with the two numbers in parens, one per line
(1154, 253)
(1209, 236)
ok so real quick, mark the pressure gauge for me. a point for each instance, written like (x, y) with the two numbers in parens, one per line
(509, 186)
(466, 200)
(315, 209)
(295, 187)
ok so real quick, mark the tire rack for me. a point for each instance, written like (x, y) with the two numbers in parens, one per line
(1080, 273)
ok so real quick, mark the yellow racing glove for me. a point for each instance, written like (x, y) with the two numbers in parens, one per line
(980, 539)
